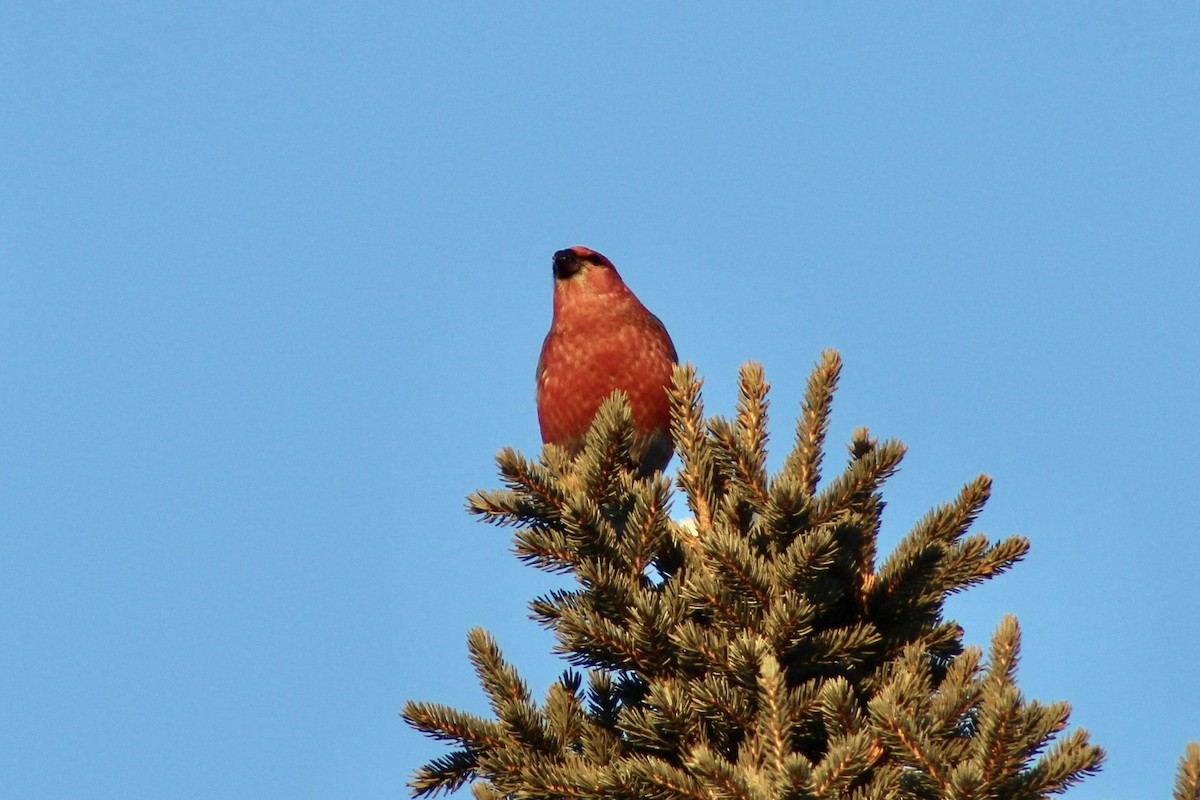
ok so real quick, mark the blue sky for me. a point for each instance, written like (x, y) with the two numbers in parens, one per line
(273, 282)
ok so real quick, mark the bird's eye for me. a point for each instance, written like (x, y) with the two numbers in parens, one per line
(595, 259)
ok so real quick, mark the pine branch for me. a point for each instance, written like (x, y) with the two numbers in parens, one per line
(565, 717)
(1187, 782)
(719, 777)
(728, 708)
(729, 609)
(949, 522)
(576, 779)
(1003, 654)
(657, 780)
(589, 641)
(789, 620)
(697, 472)
(533, 495)
(839, 708)
(804, 462)
(787, 510)
(807, 560)
(483, 790)
(1068, 761)
(864, 477)
(444, 774)
(973, 561)
(607, 449)
(742, 445)
(548, 549)
(739, 570)
(701, 648)
(507, 693)
(957, 694)
(777, 710)
(847, 760)
(450, 725)
(910, 745)
(646, 532)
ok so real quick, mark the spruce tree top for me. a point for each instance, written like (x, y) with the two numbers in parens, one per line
(757, 650)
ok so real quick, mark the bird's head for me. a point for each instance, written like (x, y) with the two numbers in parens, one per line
(587, 283)
(579, 260)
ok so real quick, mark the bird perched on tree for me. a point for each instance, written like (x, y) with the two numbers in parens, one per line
(603, 339)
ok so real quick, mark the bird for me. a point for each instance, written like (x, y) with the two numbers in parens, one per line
(602, 339)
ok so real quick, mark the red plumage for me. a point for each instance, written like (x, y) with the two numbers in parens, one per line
(602, 339)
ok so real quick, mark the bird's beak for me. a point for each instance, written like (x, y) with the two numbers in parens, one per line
(566, 264)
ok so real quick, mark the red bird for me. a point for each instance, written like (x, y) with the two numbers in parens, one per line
(602, 339)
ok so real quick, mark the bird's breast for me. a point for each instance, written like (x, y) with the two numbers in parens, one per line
(580, 368)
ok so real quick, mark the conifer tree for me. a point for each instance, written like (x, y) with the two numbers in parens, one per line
(757, 651)
(1187, 781)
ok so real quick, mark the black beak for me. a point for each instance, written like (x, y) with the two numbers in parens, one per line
(566, 264)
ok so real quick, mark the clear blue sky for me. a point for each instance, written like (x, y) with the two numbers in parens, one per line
(273, 283)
